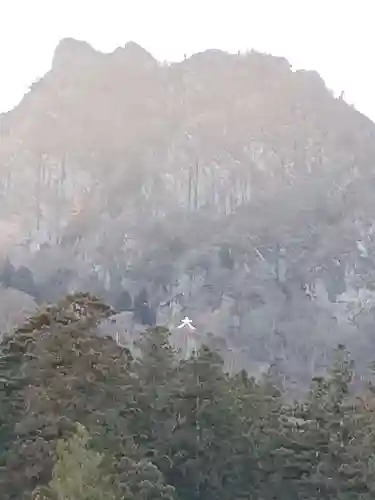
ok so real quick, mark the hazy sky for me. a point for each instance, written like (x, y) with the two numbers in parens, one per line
(335, 37)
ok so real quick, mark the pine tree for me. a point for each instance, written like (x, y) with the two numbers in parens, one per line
(204, 441)
(155, 387)
(342, 477)
(313, 458)
(259, 404)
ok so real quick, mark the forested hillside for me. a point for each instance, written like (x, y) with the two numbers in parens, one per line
(83, 419)
(228, 188)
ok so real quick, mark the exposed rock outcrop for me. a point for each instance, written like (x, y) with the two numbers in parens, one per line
(229, 187)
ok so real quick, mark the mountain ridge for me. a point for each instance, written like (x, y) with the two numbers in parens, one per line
(231, 179)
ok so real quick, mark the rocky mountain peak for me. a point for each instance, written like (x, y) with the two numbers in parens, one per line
(132, 54)
(231, 188)
(71, 52)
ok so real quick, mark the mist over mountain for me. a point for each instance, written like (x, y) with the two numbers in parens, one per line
(228, 188)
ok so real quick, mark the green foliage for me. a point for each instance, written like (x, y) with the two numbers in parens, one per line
(82, 419)
(56, 371)
(77, 474)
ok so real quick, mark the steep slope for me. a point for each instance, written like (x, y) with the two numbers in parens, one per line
(226, 187)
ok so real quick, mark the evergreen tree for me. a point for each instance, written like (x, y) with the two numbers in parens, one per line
(314, 451)
(203, 447)
(56, 371)
(260, 405)
(155, 389)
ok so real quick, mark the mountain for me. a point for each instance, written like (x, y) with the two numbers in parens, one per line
(228, 188)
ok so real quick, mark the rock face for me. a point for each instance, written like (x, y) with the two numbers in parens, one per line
(228, 187)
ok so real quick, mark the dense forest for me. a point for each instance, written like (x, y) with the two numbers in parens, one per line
(82, 418)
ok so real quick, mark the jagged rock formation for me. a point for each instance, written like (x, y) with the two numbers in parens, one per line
(229, 187)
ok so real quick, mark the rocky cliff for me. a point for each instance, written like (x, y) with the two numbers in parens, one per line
(228, 188)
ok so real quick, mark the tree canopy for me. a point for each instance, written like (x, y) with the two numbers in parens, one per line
(83, 418)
